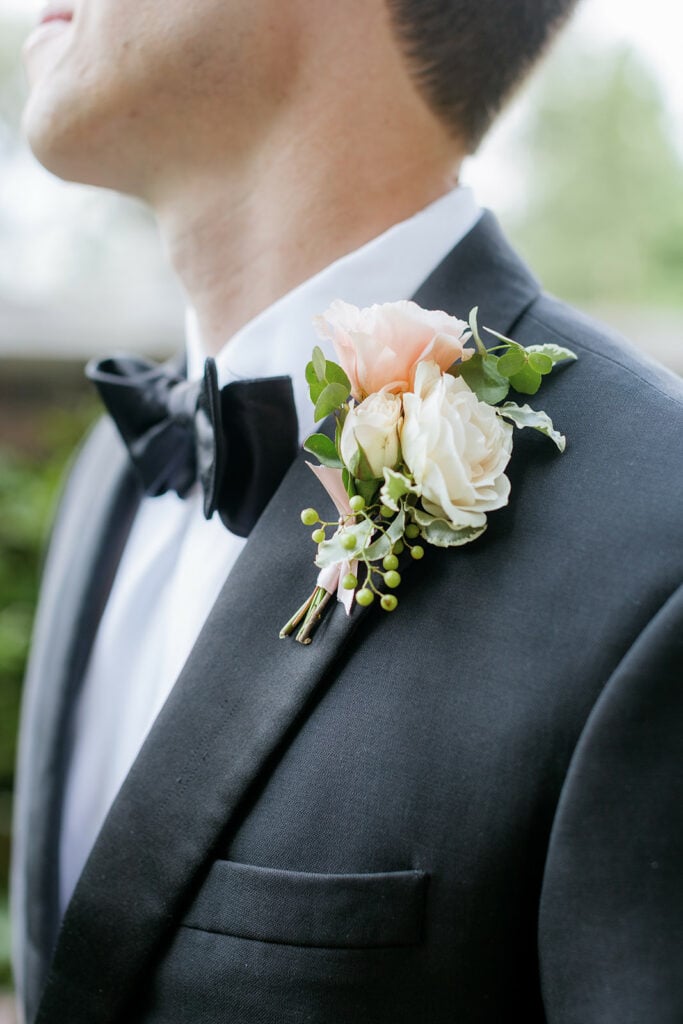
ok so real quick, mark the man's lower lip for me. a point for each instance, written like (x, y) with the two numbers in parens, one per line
(55, 17)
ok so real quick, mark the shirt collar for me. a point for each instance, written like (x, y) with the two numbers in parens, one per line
(279, 340)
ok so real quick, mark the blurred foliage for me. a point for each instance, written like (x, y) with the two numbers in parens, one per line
(29, 484)
(28, 488)
(603, 220)
(5, 944)
(12, 84)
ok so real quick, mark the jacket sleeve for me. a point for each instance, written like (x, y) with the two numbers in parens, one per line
(611, 912)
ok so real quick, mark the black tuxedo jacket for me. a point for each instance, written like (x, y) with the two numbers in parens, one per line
(465, 811)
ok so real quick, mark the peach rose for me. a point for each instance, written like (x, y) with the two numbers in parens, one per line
(380, 347)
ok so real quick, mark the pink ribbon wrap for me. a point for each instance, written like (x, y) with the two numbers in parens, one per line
(330, 578)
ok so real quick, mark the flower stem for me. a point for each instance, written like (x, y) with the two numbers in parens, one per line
(317, 604)
(298, 616)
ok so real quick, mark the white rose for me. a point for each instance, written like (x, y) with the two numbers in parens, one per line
(374, 426)
(456, 447)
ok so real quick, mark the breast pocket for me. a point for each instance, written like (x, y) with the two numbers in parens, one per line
(334, 911)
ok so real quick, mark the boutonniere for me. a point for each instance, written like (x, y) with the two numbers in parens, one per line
(422, 438)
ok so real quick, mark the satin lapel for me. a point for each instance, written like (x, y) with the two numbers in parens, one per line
(87, 541)
(240, 695)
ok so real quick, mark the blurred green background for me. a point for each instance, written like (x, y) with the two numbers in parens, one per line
(586, 173)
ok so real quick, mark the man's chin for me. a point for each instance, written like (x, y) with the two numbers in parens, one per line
(68, 148)
(46, 146)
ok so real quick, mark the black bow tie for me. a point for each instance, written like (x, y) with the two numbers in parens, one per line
(238, 441)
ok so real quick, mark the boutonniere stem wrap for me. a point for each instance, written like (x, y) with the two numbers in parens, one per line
(422, 437)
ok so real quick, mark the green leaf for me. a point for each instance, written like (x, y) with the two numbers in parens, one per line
(527, 381)
(482, 376)
(330, 398)
(481, 347)
(367, 489)
(525, 416)
(319, 364)
(360, 465)
(331, 551)
(315, 387)
(320, 374)
(335, 375)
(465, 521)
(383, 545)
(555, 352)
(348, 482)
(540, 362)
(324, 450)
(443, 534)
(503, 337)
(395, 486)
(511, 362)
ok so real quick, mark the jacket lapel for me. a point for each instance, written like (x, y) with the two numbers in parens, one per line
(87, 542)
(240, 695)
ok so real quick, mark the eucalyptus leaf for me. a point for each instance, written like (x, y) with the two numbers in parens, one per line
(527, 381)
(335, 375)
(540, 362)
(332, 552)
(511, 362)
(396, 485)
(503, 337)
(482, 376)
(525, 416)
(384, 544)
(330, 398)
(481, 347)
(466, 519)
(443, 534)
(315, 386)
(319, 363)
(324, 450)
(555, 352)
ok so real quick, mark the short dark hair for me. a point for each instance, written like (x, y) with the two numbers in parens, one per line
(468, 55)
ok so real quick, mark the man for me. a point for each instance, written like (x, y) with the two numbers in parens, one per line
(463, 811)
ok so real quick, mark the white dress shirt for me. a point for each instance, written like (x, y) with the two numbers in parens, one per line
(175, 562)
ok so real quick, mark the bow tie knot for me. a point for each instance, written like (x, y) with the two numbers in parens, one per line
(237, 441)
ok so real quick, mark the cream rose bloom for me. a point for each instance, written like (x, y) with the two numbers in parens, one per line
(456, 447)
(374, 425)
(380, 347)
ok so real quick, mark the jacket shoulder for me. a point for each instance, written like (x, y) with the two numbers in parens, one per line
(607, 351)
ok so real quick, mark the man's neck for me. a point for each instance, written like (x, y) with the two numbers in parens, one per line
(243, 235)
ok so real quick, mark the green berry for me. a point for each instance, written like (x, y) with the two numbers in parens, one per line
(357, 503)
(417, 552)
(389, 602)
(349, 582)
(390, 562)
(309, 517)
(412, 531)
(398, 548)
(365, 597)
(348, 542)
(392, 579)
(318, 536)
(386, 512)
